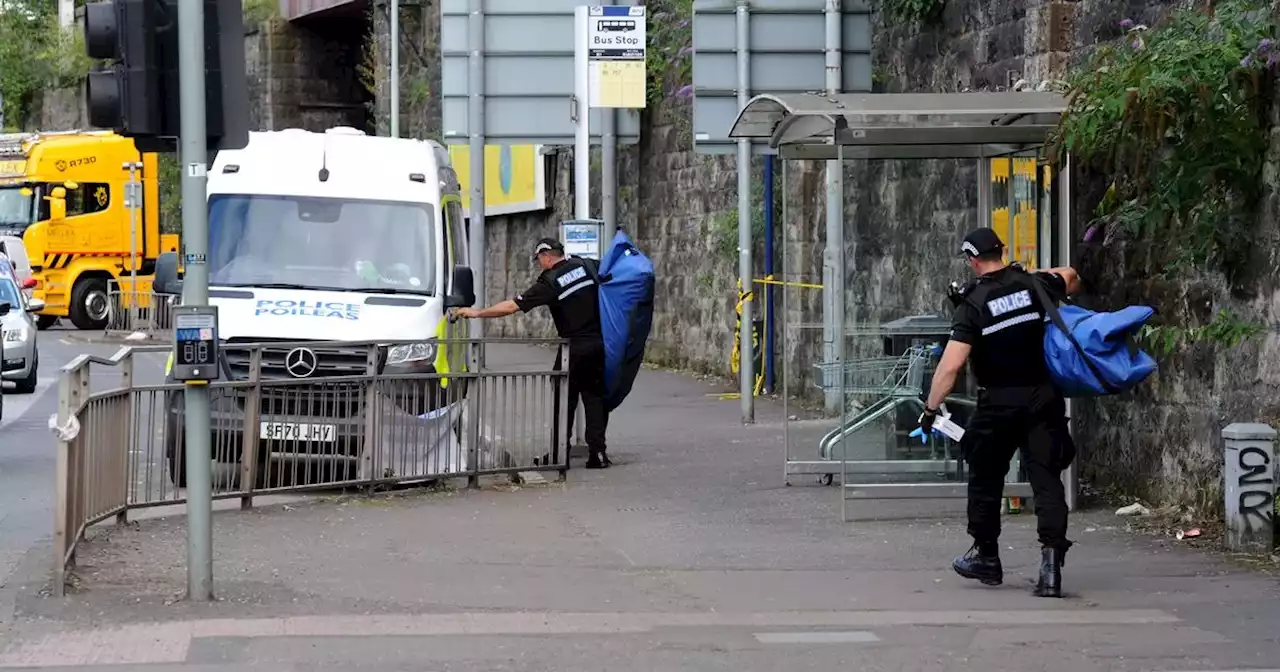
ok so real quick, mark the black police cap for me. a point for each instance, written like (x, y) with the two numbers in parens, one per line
(981, 241)
(547, 245)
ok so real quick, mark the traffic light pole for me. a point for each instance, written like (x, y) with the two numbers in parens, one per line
(195, 292)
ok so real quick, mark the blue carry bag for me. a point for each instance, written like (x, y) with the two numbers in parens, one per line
(1093, 354)
(626, 315)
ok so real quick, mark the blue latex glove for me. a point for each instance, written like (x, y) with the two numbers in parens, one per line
(919, 432)
(926, 426)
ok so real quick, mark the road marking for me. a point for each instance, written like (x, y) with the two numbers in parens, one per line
(18, 405)
(143, 643)
(851, 637)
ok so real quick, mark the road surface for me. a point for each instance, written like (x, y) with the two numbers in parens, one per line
(27, 452)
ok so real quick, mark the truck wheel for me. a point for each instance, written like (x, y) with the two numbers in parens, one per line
(90, 306)
(45, 321)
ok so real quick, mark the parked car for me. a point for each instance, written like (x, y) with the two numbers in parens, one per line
(20, 354)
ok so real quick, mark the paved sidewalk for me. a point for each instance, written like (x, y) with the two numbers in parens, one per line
(690, 554)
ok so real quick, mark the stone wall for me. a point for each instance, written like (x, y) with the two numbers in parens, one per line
(307, 75)
(299, 76)
(903, 220)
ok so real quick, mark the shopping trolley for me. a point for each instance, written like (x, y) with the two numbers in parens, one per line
(888, 385)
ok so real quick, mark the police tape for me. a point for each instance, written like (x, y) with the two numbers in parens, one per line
(768, 280)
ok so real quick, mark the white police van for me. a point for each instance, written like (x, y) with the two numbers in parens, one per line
(334, 236)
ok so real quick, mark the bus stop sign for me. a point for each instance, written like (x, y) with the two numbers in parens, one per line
(583, 237)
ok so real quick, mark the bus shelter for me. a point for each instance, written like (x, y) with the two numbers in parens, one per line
(872, 381)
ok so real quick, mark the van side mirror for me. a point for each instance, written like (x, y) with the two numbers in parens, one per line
(35, 305)
(57, 204)
(167, 280)
(464, 289)
(4, 309)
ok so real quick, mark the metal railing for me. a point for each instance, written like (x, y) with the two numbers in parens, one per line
(353, 424)
(138, 311)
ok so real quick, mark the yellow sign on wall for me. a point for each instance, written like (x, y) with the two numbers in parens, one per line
(515, 178)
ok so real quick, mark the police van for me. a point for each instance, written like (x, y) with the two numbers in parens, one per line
(334, 236)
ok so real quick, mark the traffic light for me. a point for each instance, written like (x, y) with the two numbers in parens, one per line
(138, 94)
(126, 97)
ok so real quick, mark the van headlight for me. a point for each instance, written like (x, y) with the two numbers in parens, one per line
(15, 335)
(409, 353)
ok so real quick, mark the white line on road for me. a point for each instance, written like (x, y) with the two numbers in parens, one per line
(168, 642)
(825, 637)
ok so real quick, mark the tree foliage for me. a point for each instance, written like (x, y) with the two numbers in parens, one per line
(35, 55)
(1176, 115)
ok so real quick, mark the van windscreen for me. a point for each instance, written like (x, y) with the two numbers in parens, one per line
(344, 244)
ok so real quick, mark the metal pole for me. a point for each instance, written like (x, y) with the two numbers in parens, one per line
(581, 110)
(609, 164)
(478, 242)
(746, 329)
(395, 68)
(833, 279)
(133, 200)
(195, 292)
(769, 350)
(581, 151)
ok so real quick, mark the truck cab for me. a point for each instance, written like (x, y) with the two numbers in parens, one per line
(64, 194)
(323, 237)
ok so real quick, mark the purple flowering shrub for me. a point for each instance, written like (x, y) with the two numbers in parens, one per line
(669, 59)
(1176, 115)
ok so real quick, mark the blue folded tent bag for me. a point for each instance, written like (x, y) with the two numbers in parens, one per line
(626, 315)
(1093, 354)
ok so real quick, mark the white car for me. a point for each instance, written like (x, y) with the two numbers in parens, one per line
(20, 355)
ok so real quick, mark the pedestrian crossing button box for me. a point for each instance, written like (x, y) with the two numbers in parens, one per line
(195, 340)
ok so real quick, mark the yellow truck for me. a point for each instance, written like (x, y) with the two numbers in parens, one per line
(64, 193)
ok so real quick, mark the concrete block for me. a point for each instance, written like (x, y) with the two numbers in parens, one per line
(1249, 473)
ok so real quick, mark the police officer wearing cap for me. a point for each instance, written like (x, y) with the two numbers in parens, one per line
(999, 325)
(568, 287)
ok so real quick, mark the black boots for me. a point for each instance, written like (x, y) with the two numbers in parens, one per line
(1050, 583)
(598, 460)
(979, 567)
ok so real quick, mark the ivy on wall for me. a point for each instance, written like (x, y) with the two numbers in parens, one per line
(723, 228)
(257, 12)
(1177, 116)
(912, 12)
(35, 55)
(415, 69)
(169, 181)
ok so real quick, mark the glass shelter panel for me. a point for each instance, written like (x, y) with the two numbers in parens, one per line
(854, 387)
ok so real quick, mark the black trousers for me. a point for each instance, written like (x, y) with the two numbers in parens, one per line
(1032, 419)
(586, 382)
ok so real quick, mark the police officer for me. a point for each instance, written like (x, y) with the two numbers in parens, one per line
(568, 287)
(999, 325)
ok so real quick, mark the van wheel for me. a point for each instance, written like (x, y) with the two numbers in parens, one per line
(90, 306)
(45, 321)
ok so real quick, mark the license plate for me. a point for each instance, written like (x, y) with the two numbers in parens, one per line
(298, 431)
